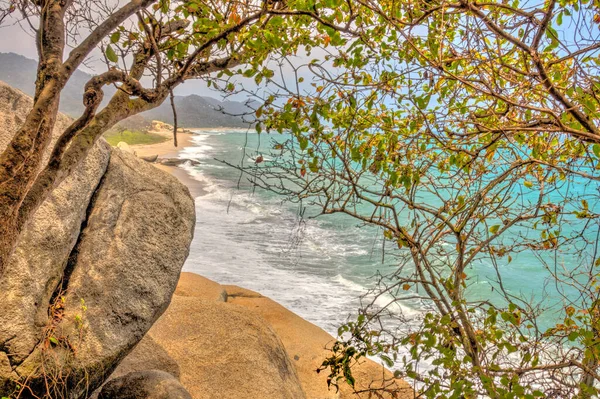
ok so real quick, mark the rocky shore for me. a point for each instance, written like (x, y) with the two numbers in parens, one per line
(94, 303)
(225, 341)
(266, 326)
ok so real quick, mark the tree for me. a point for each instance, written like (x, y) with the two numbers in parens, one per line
(468, 131)
(149, 47)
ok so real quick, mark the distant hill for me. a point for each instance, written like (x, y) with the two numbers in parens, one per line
(20, 72)
(197, 111)
(192, 111)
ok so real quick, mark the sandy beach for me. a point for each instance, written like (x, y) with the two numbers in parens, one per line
(166, 149)
(305, 343)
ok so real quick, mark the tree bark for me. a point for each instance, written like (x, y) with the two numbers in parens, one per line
(172, 98)
(20, 162)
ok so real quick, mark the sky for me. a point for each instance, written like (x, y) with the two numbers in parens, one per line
(16, 38)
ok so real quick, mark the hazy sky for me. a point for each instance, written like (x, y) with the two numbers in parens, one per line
(15, 38)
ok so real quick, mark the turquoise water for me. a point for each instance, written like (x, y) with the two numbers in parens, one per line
(320, 267)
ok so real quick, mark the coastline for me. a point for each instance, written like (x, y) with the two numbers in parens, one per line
(304, 341)
(166, 149)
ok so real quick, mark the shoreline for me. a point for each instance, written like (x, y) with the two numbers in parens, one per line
(305, 353)
(166, 149)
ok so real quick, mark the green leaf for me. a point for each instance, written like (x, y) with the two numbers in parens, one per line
(494, 229)
(388, 362)
(423, 102)
(596, 149)
(303, 143)
(276, 21)
(350, 380)
(110, 54)
(249, 72)
(573, 336)
(528, 184)
(114, 38)
(182, 49)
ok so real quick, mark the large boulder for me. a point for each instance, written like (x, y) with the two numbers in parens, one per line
(123, 146)
(308, 345)
(191, 284)
(93, 270)
(147, 355)
(151, 384)
(38, 264)
(122, 272)
(225, 352)
(205, 328)
(222, 350)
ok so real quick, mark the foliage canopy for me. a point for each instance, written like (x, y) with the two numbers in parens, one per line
(467, 131)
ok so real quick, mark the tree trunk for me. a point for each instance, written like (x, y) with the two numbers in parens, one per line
(590, 360)
(171, 97)
(21, 160)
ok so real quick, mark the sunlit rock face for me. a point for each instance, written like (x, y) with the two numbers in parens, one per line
(94, 268)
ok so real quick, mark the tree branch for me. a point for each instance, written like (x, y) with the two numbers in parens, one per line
(79, 53)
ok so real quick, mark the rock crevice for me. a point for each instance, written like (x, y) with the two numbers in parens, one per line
(71, 261)
(93, 270)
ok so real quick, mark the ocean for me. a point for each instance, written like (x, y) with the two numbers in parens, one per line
(320, 267)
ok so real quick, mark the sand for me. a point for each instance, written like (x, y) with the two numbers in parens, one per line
(166, 149)
(305, 343)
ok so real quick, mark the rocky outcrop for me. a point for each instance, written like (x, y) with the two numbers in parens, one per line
(38, 265)
(147, 355)
(308, 345)
(222, 350)
(208, 325)
(225, 352)
(123, 146)
(193, 285)
(162, 127)
(151, 384)
(94, 269)
(177, 161)
(150, 158)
